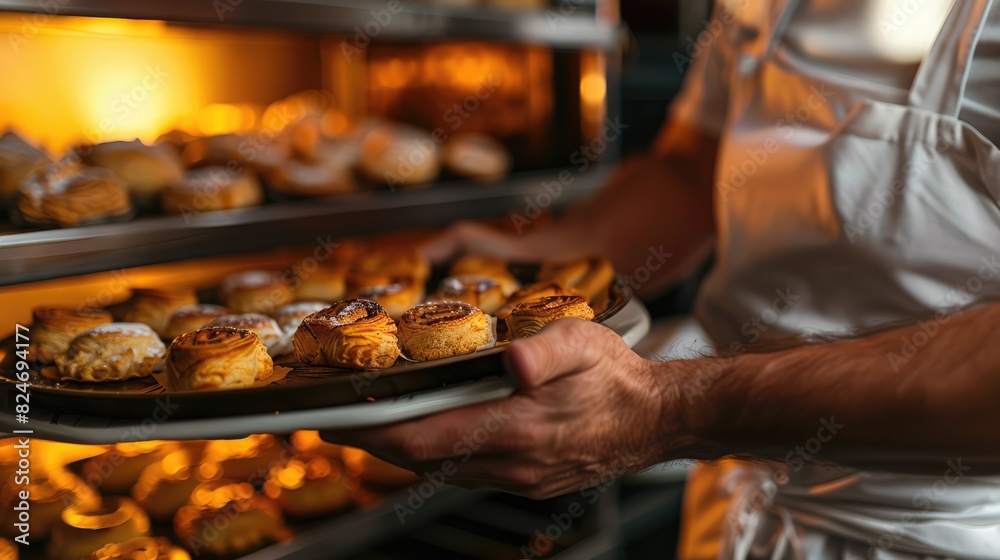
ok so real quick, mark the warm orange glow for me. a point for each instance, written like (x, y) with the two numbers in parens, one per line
(593, 88)
(225, 118)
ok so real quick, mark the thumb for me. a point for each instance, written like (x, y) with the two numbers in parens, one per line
(562, 348)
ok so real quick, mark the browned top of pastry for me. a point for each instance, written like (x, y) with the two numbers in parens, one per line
(139, 548)
(221, 337)
(431, 314)
(166, 297)
(455, 286)
(555, 307)
(349, 312)
(68, 318)
(528, 293)
(478, 265)
(252, 280)
(68, 195)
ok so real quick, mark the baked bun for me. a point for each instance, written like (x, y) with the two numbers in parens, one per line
(117, 470)
(310, 485)
(476, 156)
(111, 352)
(491, 267)
(54, 328)
(527, 318)
(394, 295)
(400, 156)
(176, 139)
(211, 188)
(69, 196)
(325, 283)
(164, 486)
(85, 528)
(355, 334)
(590, 278)
(208, 523)
(18, 160)
(256, 291)
(140, 548)
(441, 330)
(191, 318)
(290, 316)
(528, 293)
(248, 458)
(154, 307)
(329, 175)
(266, 329)
(480, 291)
(230, 150)
(396, 263)
(145, 170)
(216, 358)
(49, 492)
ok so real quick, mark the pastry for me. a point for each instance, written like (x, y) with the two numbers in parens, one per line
(355, 334)
(211, 188)
(396, 263)
(225, 518)
(55, 327)
(441, 330)
(328, 175)
(325, 283)
(216, 358)
(487, 266)
(85, 528)
(67, 196)
(176, 138)
(248, 459)
(480, 291)
(374, 470)
(399, 156)
(309, 441)
(116, 470)
(140, 548)
(310, 485)
(164, 486)
(256, 291)
(290, 316)
(145, 170)
(234, 151)
(153, 307)
(527, 318)
(528, 293)
(8, 550)
(588, 277)
(394, 295)
(476, 156)
(112, 352)
(191, 318)
(50, 491)
(18, 160)
(266, 329)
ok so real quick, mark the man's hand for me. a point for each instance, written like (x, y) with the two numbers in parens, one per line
(589, 409)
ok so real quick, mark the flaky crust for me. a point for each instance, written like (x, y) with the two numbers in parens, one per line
(529, 317)
(18, 160)
(255, 291)
(211, 188)
(590, 278)
(55, 327)
(480, 291)
(191, 318)
(216, 358)
(111, 352)
(355, 334)
(145, 170)
(68, 196)
(528, 293)
(266, 328)
(441, 330)
(155, 307)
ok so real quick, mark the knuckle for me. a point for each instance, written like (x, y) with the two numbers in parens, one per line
(527, 477)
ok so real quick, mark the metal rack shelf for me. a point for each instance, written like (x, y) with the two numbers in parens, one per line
(406, 22)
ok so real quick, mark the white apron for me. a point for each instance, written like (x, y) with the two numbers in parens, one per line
(844, 208)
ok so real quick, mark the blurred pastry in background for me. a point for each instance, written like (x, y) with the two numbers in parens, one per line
(326, 282)
(53, 328)
(527, 318)
(309, 486)
(8, 550)
(329, 175)
(480, 291)
(492, 267)
(18, 160)
(164, 486)
(216, 358)
(290, 316)
(476, 156)
(255, 291)
(50, 491)
(140, 548)
(117, 470)
(266, 329)
(395, 295)
(176, 138)
(153, 306)
(111, 352)
(248, 459)
(309, 441)
(399, 155)
(85, 528)
(211, 188)
(589, 277)
(208, 519)
(69, 195)
(190, 318)
(145, 170)
(395, 262)
(262, 152)
(433, 331)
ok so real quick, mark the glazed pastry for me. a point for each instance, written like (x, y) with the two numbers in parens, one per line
(191, 318)
(441, 330)
(374, 470)
(476, 156)
(588, 277)
(266, 329)
(487, 266)
(50, 491)
(248, 459)
(85, 528)
(211, 188)
(68, 196)
(154, 307)
(527, 318)
(140, 548)
(18, 160)
(310, 486)
(395, 296)
(55, 327)
(116, 470)
(216, 358)
(164, 486)
(480, 291)
(290, 316)
(145, 170)
(399, 156)
(209, 519)
(396, 263)
(528, 293)
(325, 283)
(112, 352)
(257, 291)
(355, 334)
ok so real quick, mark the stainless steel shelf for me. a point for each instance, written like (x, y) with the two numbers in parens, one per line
(41, 255)
(411, 22)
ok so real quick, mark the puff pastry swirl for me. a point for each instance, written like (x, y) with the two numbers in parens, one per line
(527, 318)
(55, 327)
(216, 358)
(355, 334)
(440, 330)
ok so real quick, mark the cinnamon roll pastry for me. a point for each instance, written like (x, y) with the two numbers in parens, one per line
(208, 519)
(256, 291)
(216, 358)
(528, 293)
(290, 316)
(325, 283)
(211, 188)
(476, 156)
(191, 318)
(49, 491)
(266, 328)
(480, 291)
(527, 318)
(67, 196)
(394, 295)
(491, 267)
(441, 330)
(55, 327)
(145, 170)
(397, 263)
(111, 352)
(588, 277)
(18, 160)
(399, 155)
(84, 528)
(154, 307)
(140, 548)
(310, 485)
(355, 334)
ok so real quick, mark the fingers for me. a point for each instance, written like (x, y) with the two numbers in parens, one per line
(562, 348)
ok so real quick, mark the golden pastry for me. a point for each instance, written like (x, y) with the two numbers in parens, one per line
(399, 156)
(145, 170)
(228, 518)
(140, 548)
(236, 151)
(191, 318)
(527, 318)
(325, 283)
(176, 138)
(211, 188)
(290, 316)
(476, 156)
(256, 291)
(487, 266)
(247, 459)
(480, 291)
(85, 528)
(68, 196)
(216, 358)
(154, 307)
(355, 333)
(528, 293)
(164, 486)
(115, 471)
(441, 330)
(328, 176)
(266, 329)
(310, 486)
(394, 295)
(55, 327)
(18, 160)
(50, 491)
(589, 277)
(111, 352)
(395, 263)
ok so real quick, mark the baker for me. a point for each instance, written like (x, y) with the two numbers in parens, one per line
(849, 193)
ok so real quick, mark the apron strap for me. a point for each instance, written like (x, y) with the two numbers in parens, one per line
(939, 85)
